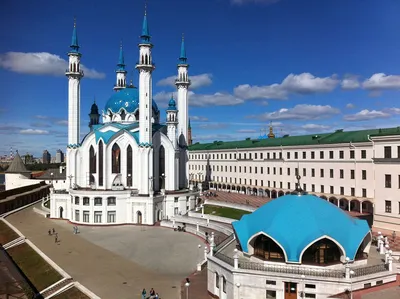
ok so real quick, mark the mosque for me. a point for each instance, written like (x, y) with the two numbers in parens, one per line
(130, 168)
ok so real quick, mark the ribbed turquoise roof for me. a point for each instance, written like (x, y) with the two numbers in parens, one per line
(128, 99)
(297, 221)
(172, 104)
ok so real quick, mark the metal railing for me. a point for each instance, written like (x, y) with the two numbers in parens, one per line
(224, 258)
(367, 270)
(292, 270)
(224, 242)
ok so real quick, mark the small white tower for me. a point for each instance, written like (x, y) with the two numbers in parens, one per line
(182, 82)
(121, 71)
(74, 74)
(145, 67)
(172, 121)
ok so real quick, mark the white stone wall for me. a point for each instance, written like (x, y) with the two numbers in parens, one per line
(16, 180)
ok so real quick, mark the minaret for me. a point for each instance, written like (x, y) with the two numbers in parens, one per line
(74, 74)
(145, 67)
(94, 115)
(172, 121)
(121, 71)
(190, 141)
(182, 82)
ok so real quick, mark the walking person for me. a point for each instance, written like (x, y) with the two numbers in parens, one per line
(56, 238)
(144, 294)
(49, 232)
(54, 231)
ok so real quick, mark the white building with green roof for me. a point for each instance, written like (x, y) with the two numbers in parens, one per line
(356, 170)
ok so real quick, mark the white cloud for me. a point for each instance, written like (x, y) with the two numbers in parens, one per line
(350, 106)
(201, 100)
(246, 131)
(394, 110)
(315, 127)
(381, 81)
(34, 132)
(198, 118)
(266, 2)
(304, 83)
(63, 122)
(197, 81)
(212, 126)
(299, 112)
(350, 82)
(41, 63)
(366, 115)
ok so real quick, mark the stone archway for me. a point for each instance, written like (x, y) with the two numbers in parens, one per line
(61, 212)
(139, 217)
(159, 215)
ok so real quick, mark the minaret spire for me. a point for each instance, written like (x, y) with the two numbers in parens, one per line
(121, 71)
(74, 42)
(183, 58)
(145, 37)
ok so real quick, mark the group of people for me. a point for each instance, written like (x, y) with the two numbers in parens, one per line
(152, 294)
(210, 194)
(53, 232)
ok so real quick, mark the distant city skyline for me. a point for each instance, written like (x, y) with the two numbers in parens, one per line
(308, 66)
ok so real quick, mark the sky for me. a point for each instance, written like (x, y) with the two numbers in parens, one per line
(306, 66)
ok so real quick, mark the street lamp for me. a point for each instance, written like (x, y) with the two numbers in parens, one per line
(198, 253)
(187, 284)
(351, 284)
(129, 183)
(238, 286)
(303, 285)
(52, 177)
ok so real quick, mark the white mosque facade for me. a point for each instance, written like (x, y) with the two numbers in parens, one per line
(130, 168)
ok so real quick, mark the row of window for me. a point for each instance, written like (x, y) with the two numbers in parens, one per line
(98, 201)
(388, 206)
(111, 216)
(332, 189)
(277, 155)
(288, 171)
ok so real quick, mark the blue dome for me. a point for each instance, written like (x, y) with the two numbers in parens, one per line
(295, 222)
(172, 104)
(127, 98)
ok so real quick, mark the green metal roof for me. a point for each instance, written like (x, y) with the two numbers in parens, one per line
(338, 136)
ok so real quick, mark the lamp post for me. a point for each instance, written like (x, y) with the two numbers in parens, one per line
(52, 177)
(187, 284)
(351, 284)
(238, 292)
(70, 180)
(198, 253)
(129, 183)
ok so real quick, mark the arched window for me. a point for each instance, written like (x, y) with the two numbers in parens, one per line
(322, 252)
(217, 280)
(92, 163)
(116, 159)
(129, 165)
(266, 249)
(162, 167)
(146, 59)
(101, 166)
(362, 252)
(142, 59)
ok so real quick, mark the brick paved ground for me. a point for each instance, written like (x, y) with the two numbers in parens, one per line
(394, 243)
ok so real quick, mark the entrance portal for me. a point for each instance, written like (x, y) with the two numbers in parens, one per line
(139, 217)
(61, 212)
(159, 215)
(290, 290)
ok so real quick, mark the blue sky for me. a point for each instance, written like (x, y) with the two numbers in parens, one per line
(306, 65)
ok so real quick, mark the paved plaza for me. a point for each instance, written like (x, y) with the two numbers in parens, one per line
(116, 262)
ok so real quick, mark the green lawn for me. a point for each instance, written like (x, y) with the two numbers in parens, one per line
(73, 293)
(35, 268)
(224, 212)
(6, 233)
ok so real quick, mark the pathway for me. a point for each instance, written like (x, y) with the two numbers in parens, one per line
(107, 274)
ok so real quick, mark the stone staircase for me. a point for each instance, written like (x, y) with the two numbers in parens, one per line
(56, 287)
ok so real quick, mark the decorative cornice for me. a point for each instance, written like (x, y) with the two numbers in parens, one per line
(145, 144)
(74, 146)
